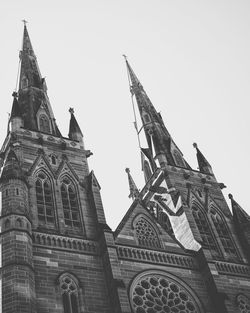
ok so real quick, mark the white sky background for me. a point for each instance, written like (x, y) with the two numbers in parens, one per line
(192, 57)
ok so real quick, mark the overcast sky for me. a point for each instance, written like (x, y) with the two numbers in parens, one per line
(192, 58)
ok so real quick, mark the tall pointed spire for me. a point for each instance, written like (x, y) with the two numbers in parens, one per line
(159, 141)
(33, 100)
(204, 165)
(134, 192)
(30, 74)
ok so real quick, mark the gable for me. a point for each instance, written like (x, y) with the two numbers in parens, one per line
(41, 162)
(141, 229)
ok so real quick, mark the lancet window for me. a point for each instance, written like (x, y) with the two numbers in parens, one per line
(223, 233)
(69, 291)
(147, 170)
(70, 204)
(44, 124)
(204, 229)
(145, 233)
(24, 82)
(44, 198)
(178, 158)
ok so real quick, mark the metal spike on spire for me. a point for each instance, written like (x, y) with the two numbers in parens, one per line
(134, 192)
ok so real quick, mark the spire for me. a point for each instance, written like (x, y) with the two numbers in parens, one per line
(160, 143)
(33, 100)
(29, 74)
(134, 192)
(204, 165)
(75, 132)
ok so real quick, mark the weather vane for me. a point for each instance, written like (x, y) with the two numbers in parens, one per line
(125, 57)
(24, 22)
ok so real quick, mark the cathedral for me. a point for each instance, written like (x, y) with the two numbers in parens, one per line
(178, 249)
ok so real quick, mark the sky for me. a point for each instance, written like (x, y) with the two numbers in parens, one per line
(192, 57)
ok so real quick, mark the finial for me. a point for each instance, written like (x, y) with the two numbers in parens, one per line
(14, 94)
(24, 22)
(127, 170)
(195, 145)
(230, 196)
(71, 110)
(125, 57)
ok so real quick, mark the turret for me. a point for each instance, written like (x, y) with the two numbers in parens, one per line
(75, 132)
(204, 165)
(18, 281)
(16, 115)
(242, 224)
(134, 192)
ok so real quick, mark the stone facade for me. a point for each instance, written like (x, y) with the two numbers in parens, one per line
(177, 249)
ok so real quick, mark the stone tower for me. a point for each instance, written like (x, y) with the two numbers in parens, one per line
(53, 229)
(177, 249)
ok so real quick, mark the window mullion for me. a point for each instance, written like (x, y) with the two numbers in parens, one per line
(44, 203)
(70, 304)
(70, 210)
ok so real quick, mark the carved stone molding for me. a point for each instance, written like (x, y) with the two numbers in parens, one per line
(150, 256)
(65, 243)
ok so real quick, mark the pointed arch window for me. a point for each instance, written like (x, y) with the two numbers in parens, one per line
(223, 233)
(44, 199)
(145, 233)
(146, 118)
(178, 158)
(69, 291)
(24, 82)
(44, 124)
(204, 229)
(70, 204)
(147, 170)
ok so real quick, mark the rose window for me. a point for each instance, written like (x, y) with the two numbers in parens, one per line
(243, 304)
(145, 234)
(161, 294)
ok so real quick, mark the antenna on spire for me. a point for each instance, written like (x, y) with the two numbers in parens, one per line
(132, 100)
(8, 125)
